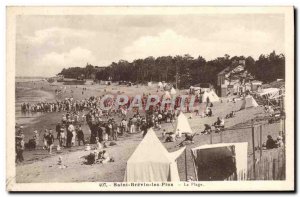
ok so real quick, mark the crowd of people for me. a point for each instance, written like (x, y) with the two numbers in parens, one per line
(104, 125)
(110, 129)
(68, 104)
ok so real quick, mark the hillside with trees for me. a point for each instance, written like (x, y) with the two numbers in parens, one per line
(185, 69)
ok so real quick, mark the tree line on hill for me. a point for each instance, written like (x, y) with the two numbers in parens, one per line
(185, 69)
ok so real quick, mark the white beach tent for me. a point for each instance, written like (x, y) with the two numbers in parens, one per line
(248, 102)
(150, 84)
(183, 125)
(160, 85)
(151, 162)
(211, 95)
(195, 89)
(173, 91)
(167, 95)
(223, 161)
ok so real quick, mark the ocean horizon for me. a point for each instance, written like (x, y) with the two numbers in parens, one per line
(28, 78)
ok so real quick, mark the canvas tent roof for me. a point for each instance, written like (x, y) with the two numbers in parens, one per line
(149, 83)
(220, 161)
(183, 125)
(173, 91)
(270, 93)
(214, 96)
(151, 162)
(211, 95)
(160, 84)
(167, 94)
(248, 102)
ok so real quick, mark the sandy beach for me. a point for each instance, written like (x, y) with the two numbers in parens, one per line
(39, 166)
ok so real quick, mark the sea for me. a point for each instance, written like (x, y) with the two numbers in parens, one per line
(29, 90)
(29, 79)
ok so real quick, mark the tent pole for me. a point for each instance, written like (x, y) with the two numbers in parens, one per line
(195, 169)
(186, 176)
(260, 141)
(221, 136)
(253, 146)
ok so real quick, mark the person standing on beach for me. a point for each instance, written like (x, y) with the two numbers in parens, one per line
(114, 130)
(123, 126)
(20, 133)
(73, 137)
(45, 137)
(58, 130)
(36, 138)
(20, 145)
(50, 141)
(80, 135)
(109, 130)
(70, 129)
(144, 128)
(62, 137)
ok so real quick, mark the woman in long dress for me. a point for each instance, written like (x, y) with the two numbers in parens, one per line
(36, 138)
(73, 138)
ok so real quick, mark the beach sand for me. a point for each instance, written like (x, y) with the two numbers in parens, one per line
(39, 166)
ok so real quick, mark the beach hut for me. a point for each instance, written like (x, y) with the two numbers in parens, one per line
(223, 161)
(183, 125)
(167, 95)
(270, 93)
(160, 85)
(173, 91)
(248, 102)
(151, 162)
(214, 96)
(211, 96)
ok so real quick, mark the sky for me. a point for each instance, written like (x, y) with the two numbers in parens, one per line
(47, 44)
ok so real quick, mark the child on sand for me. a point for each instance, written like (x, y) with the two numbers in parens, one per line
(99, 145)
(104, 157)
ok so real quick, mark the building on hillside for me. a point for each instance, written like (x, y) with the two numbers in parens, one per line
(236, 80)
(200, 87)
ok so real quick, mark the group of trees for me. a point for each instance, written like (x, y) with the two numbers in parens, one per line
(267, 68)
(185, 69)
(77, 72)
